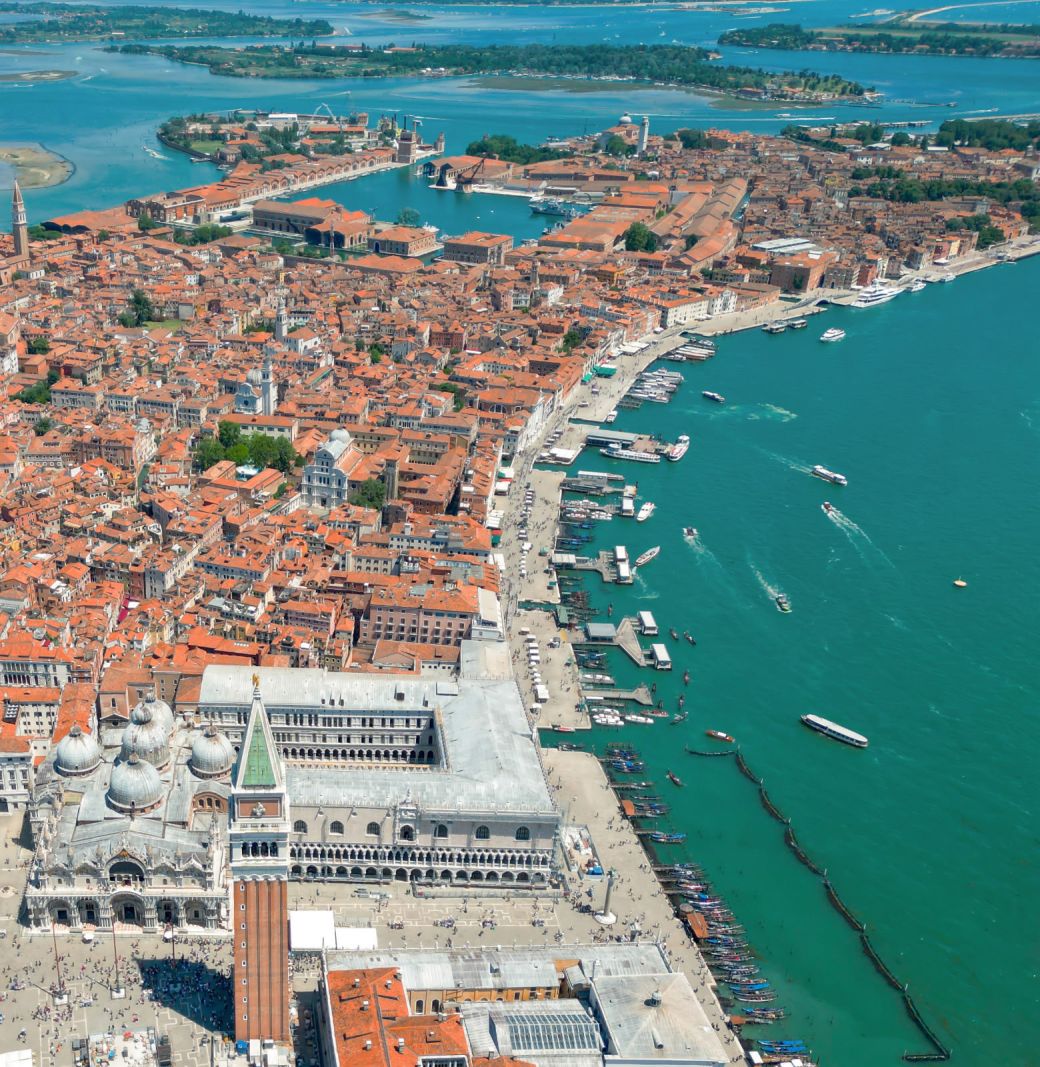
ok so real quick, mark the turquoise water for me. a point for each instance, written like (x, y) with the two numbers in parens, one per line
(117, 101)
(931, 407)
(933, 413)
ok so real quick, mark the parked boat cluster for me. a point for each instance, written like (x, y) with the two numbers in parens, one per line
(748, 998)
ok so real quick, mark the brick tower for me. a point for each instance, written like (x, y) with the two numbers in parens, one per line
(259, 843)
(18, 224)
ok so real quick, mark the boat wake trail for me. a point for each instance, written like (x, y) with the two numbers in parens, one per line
(858, 537)
(774, 413)
(787, 461)
(772, 590)
(645, 592)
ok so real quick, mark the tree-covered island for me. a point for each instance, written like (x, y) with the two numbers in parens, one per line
(657, 64)
(75, 22)
(897, 37)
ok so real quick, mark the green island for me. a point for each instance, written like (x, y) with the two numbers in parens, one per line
(897, 38)
(73, 22)
(659, 64)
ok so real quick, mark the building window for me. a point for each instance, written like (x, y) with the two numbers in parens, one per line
(482, 834)
(299, 827)
(441, 830)
(523, 834)
(372, 829)
(407, 833)
(336, 828)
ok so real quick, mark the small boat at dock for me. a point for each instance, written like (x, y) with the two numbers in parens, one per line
(797, 324)
(774, 327)
(681, 717)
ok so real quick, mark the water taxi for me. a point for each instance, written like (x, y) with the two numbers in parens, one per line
(828, 507)
(679, 449)
(648, 555)
(717, 397)
(646, 511)
(719, 736)
(690, 533)
(832, 335)
(797, 324)
(829, 476)
(782, 603)
(832, 729)
(774, 327)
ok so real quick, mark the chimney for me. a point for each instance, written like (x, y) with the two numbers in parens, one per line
(400, 1044)
(364, 1005)
(368, 1046)
(357, 982)
(389, 983)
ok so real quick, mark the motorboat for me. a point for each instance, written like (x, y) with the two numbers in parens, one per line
(717, 397)
(719, 735)
(782, 603)
(646, 511)
(679, 449)
(918, 285)
(611, 416)
(648, 555)
(675, 779)
(690, 533)
(829, 476)
(643, 720)
(832, 729)
(832, 335)
(828, 507)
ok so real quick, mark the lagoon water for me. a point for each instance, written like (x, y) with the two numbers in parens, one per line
(931, 407)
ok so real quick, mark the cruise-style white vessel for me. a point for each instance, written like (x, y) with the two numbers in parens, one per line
(679, 449)
(829, 476)
(833, 334)
(646, 511)
(632, 454)
(717, 397)
(875, 294)
(649, 554)
(832, 729)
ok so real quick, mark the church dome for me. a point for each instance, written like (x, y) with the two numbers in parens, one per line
(77, 753)
(147, 737)
(135, 785)
(212, 754)
(160, 710)
(340, 435)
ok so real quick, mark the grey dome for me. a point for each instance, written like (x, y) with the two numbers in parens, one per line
(340, 435)
(135, 785)
(159, 709)
(147, 737)
(77, 753)
(212, 754)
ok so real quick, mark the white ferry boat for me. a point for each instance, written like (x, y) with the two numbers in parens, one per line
(717, 397)
(875, 294)
(648, 555)
(645, 511)
(679, 449)
(832, 335)
(832, 729)
(629, 453)
(829, 476)
(611, 416)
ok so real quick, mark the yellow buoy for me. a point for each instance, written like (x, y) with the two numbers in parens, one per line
(960, 583)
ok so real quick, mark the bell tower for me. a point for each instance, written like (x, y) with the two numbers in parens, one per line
(18, 224)
(259, 849)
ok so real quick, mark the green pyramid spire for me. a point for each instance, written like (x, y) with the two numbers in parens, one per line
(259, 765)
